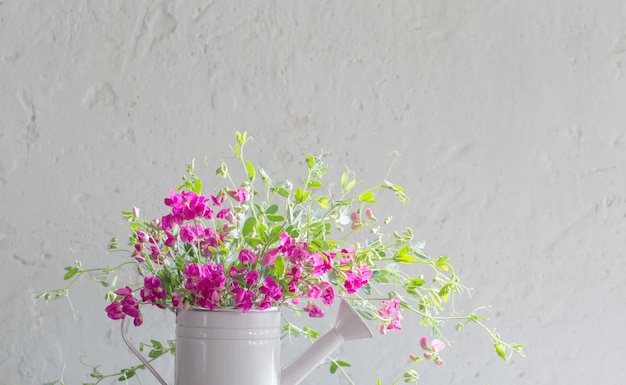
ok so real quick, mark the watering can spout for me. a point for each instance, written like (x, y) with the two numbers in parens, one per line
(348, 326)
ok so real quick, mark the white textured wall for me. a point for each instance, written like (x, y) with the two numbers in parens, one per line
(509, 116)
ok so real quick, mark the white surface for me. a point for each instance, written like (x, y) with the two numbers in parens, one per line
(509, 116)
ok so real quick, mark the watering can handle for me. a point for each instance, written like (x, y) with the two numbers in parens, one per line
(141, 358)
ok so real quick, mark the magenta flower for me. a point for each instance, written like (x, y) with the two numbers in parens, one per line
(355, 280)
(272, 290)
(432, 349)
(247, 256)
(243, 299)
(269, 257)
(223, 213)
(328, 293)
(177, 300)
(175, 200)
(218, 200)
(251, 277)
(152, 290)
(239, 195)
(127, 305)
(115, 310)
(313, 310)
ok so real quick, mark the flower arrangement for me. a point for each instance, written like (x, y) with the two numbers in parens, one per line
(261, 244)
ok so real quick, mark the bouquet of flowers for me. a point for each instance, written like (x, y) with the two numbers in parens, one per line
(262, 243)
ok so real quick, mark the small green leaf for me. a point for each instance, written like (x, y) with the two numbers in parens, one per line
(310, 161)
(273, 209)
(367, 197)
(281, 191)
(314, 184)
(403, 255)
(279, 266)
(250, 170)
(275, 218)
(197, 186)
(333, 367)
(266, 179)
(71, 271)
(442, 262)
(248, 226)
(324, 202)
(222, 170)
(500, 351)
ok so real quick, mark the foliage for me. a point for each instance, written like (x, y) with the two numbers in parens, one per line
(263, 243)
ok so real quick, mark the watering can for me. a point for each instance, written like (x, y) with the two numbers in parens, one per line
(228, 347)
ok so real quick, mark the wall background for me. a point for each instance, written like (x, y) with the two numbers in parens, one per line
(509, 116)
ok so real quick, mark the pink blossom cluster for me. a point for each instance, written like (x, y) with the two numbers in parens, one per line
(390, 313)
(431, 350)
(125, 304)
(189, 266)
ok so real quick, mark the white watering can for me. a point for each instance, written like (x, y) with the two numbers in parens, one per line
(228, 347)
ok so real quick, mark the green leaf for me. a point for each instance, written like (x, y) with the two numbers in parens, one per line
(301, 195)
(442, 262)
(264, 177)
(71, 271)
(397, 190)
(248, 226)
(279, 267)
(275, 218)
(500, 351)
(281, 191)
(273, 209)
(416, 281)
(310, 161)
(314, 184)
(444, 292)
(367, 197)
(222, 170)
(324, 202)
(237, 151)
(197, 186)
(250, 170)
(333, 367)
(403, 255)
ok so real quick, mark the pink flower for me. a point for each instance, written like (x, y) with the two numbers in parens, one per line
(355, 280)
(251, 277)
(271, 290)
(391, 315)
(247, 256)
(239, 195)
(218, 200)
(188, 234)
(243, 299)
(313, 310)
(127, 305)
(314, 292)
(347, 255)
(175, 200)
(355, 218)
(177, 301)
(115, 310)
(328, 293)
(152, 290)
(141, 236)
(269, 257)
(223, 213)
(432, 349)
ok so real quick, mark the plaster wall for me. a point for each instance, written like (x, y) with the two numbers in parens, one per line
(509, 116)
